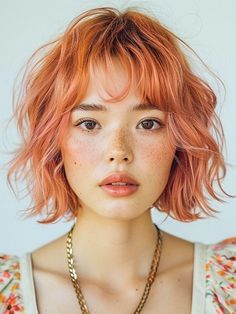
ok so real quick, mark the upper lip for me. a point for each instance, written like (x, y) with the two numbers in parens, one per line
(119, 177)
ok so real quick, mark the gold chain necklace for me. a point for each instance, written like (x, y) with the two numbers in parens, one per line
(150, 279)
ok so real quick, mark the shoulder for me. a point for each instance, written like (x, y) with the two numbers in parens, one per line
(220, 271)
(10, 295)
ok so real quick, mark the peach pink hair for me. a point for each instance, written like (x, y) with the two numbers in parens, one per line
(153, 57)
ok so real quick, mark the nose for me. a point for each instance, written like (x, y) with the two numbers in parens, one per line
(120, 149)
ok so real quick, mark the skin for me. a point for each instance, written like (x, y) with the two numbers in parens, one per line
(114, 237)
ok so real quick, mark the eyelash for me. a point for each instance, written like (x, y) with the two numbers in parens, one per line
(80, 121)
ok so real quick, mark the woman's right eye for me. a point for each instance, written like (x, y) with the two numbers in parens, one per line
(89, 124)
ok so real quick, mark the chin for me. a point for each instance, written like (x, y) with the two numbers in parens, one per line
(118, 213)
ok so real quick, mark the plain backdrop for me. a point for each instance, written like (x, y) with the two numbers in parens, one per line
(208, 26)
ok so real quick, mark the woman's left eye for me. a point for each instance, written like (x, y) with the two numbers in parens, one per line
(150, 123)
(147, 124)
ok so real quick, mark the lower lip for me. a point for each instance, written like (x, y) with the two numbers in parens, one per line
(120, 190)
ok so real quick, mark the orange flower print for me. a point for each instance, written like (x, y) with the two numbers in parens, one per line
(12, 305)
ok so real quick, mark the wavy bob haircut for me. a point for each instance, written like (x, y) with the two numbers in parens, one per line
(54, 83)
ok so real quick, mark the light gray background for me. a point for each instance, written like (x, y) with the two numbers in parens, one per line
(208, 26)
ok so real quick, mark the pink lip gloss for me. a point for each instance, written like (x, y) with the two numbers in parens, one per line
(120, 190)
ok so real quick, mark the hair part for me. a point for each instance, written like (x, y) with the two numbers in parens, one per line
(152, 56)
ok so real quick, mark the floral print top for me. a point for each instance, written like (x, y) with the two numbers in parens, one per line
(214, 283)
(221, 277)
(11, 301)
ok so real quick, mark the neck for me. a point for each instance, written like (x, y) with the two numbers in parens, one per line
(113, 252)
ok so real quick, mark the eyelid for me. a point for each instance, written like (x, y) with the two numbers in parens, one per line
(153, 118)
(83, 120)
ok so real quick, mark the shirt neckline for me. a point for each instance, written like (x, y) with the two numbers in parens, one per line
(199, 281)
(28, 286)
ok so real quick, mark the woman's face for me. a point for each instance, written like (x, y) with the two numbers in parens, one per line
(116, 140)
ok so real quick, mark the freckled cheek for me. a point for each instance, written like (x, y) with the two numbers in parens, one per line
(157, 155)
(82, 154)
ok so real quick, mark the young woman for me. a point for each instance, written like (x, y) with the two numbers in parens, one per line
(114, 122)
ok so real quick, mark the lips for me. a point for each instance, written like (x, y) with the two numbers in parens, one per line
(119, 177)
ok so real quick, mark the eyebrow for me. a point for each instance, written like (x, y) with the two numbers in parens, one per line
(99, 107)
